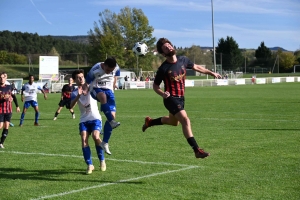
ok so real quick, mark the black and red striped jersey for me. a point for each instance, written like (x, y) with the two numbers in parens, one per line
(66, 91)
(173, 75)
(5, 99)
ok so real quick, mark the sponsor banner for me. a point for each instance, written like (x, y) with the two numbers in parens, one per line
(276, 80)
(290, 79)
(260, 81)
(52, 77)
(298, 79)
(222, 82)
(189, 83)
(240, 81)
(136, 84)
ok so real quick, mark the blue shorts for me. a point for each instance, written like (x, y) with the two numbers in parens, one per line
(30, 103)
(110, 96)
(90, 126)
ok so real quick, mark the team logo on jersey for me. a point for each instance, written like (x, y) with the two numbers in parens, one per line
(177, 77)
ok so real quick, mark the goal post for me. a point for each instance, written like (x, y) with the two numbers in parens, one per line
(17, 81)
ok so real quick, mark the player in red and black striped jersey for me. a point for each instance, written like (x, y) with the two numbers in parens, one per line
(65, 99)
(6, 98)
(172, 73)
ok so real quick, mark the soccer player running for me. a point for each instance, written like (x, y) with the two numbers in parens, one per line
(65, 99)
(90, 120)
(29, 94)
(6, 98)
(13, 91)
(172, 72)
(102, 79)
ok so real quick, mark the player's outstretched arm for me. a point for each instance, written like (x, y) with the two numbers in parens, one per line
(203, 70)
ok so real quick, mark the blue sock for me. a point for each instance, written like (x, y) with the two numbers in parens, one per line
(107, 132)
(22, 118)
(100, 153)
(37, 114)
(87, 155)
(106, 110)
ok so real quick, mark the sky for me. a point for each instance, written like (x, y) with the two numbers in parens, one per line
(184, 23)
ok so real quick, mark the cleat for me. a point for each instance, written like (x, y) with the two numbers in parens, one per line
(1, 146)
(147, 123)
(104, 146)
(200, 153)
(11, 124)
(102, 165)
(73, 116)
(90, 169)
(20, 125)
(55, 118)
(36, 124)
(114, 124)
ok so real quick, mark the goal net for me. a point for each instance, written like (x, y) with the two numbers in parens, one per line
(18, 83)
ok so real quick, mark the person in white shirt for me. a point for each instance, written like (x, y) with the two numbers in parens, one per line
(90, 120)
(29, 95)
(102, 79)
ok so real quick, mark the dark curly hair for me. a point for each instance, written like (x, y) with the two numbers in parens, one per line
(160, 43)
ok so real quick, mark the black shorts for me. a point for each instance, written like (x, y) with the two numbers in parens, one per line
(174, 104)
(65, 102)
(5, 117)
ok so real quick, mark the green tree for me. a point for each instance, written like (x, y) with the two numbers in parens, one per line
(3, 55)
(116, 34)
(198, 56)
(263, 55)
(232, 57)
(297, 56)
(287, 60)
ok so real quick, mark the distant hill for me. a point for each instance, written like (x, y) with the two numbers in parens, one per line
(271, 48)
(276, 48)
(85, 40)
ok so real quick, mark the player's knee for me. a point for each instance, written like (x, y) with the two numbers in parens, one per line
(175, 123)
(185, 121)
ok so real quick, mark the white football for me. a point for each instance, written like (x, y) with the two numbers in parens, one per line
(140, 49)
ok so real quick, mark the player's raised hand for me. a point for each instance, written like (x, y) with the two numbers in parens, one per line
(85, 89)
(216, 75)
(79, 90)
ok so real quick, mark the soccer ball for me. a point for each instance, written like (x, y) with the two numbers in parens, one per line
(140, 49)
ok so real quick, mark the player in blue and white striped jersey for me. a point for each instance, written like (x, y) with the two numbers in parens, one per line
(90, 120)
(29, 94)
(102, 79)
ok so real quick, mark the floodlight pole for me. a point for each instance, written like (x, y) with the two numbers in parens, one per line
(137, 64)
(213, 34)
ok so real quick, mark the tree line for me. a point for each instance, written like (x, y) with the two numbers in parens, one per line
(16, 47)
(114, 34)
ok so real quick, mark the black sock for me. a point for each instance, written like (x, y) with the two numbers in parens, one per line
(72, 113)
(4, 135)
(155, 122)
(56, 113)
(192, 142)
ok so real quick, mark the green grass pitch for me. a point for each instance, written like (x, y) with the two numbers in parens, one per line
(252, 133)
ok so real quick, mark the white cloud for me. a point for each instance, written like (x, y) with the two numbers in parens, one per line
(232, 6)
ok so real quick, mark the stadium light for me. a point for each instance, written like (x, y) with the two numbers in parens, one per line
(213, 34)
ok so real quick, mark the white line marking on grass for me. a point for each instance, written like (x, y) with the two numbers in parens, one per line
(243, 119)
(117, 160)
(114, 183)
